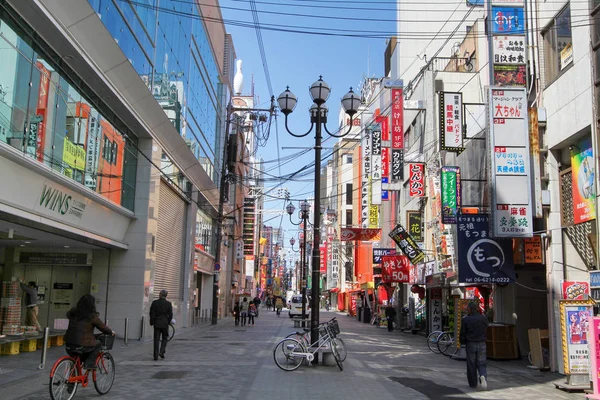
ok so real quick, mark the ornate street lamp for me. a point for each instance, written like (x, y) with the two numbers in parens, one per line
(303, 215)
(319, 92)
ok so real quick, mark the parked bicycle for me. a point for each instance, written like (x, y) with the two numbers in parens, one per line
(171, 330)
(432, 341)
(290, 353)
(304, 338)
(446, 343)
(68, 373)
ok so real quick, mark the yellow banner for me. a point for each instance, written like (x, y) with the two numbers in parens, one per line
(73, 156)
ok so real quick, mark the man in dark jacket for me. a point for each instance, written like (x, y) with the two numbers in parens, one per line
(256, 302)
(390, 314)
(473, 332)
(161, 314)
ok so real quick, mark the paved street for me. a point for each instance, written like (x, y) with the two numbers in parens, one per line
(227, 362)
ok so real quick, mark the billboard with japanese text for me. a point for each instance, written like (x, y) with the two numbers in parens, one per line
(407, 244)
(451, 121)
(397, 119)
(395, 269)
(414, 221)
(451, 199)
(416, 180)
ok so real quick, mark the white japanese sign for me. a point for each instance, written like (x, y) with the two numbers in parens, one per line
(510, 161)
(451, 121)
(365, 175)
(512, 220)
(509, 49)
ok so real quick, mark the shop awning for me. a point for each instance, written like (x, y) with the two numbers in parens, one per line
(334, 290)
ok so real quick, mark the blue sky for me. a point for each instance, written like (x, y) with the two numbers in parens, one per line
(297, 60)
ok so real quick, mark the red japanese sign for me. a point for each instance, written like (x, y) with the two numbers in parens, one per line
(323, 258)
(349, 234)
(575, 290)
(385, 162)
(395, 269)
(416, 182)
(397, 119)
(385, 126)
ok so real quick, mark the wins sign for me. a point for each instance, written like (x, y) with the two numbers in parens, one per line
(62, 203)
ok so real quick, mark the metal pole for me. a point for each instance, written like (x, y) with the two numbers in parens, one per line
(45, 348)
(303, 265)
(126, 331)
(143, 334)
(316, 273)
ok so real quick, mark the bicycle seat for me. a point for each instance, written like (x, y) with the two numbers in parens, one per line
(74, 349)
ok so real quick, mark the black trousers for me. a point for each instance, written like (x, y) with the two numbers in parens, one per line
(158, 332)
(390, 324)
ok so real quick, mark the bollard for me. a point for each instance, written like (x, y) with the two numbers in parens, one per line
(143, 334)
(45, 348)
(126, 331)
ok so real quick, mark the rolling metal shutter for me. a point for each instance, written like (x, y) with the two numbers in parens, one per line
(170, 243)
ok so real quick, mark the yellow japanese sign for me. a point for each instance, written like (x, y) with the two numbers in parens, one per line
(73, 155)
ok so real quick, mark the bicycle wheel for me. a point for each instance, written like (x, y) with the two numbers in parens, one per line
(446, 344)
(171, 333)
(284, 356)
(104, 375)
(301, 338)
(341, 348)
(60, 387)
(336, 355)
(432, 341)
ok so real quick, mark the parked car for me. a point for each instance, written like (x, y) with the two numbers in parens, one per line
(296, 307)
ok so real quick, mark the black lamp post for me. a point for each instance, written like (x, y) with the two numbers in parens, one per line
(319, 92)
(304, 211)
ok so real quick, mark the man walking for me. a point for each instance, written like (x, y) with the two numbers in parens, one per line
(256, 302)
(31, 302)
(473, 331)
(390, 314)
(161, 314)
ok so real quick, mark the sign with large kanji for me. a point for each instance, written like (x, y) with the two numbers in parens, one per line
(407, 244)
(482, 259)
(414, 220)
(451, 121)
(395, 269)
(451, 198)
(416, 181)
(397, 119)
(397, 165)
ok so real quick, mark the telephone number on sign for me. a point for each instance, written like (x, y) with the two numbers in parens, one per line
(498, 279)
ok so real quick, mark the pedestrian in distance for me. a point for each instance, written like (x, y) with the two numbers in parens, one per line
(473, 330)
(251, 313)
(31, 302)
(268, 303)
(244, 310)
(390, 315)
(278, 305)
(257, 304)
(236, 313)
(161, 314)
(83, 319)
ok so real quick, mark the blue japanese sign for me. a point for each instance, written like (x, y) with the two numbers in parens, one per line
(595, 279)
(378, 253)
(482, 259)
(508, 21)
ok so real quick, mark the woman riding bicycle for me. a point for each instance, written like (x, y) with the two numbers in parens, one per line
(80, 333)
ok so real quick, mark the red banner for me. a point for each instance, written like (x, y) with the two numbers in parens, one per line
(385, 126)
(385, 162)
(323, 258)
(397, 119)
(395, 269)
(350, 234)
(416, 180)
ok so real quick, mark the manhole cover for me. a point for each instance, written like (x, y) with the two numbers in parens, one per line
(169, 375)
(209, 337)
(415, 369)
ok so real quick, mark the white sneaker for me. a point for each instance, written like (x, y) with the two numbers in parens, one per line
(482, 383)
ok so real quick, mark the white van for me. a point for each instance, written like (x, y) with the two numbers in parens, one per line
(296, 307)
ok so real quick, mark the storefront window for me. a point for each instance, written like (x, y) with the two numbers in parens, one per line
(204, 232)
(45, 117)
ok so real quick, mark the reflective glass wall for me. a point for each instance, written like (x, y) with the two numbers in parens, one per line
(49, 120)
(168, 46)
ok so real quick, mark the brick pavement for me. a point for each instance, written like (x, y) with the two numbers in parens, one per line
(228, 362)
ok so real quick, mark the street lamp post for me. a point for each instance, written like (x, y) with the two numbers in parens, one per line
(319, 92)
(304, 211)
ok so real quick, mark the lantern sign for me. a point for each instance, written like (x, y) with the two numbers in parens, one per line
(416, 183)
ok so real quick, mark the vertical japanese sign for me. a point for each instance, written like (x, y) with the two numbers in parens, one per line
(482, 259)
(323, 258)
(416, 181)
(397, 165)
(364, 178)
(376, 165)
(510, 163)
(450, 194)
(436, 309)
(584, 189)
(507, 42)
(414, 220)
(335, 265)
(595, 355)
(407, 244)
(575, 321)
(451, 121)
(397, 119)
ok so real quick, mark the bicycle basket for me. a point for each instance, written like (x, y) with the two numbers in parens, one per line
(106, 341)
(334, 327)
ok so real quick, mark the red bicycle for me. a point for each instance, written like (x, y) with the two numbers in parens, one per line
(68, 371)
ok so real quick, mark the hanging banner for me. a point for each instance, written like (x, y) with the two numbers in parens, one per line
(572, 290)
(376, 166)
(364, 234)
(509, 49)
(450, 194)
(451, 121)
(384, 121)
(482, 259)
(414, 220)
(323, 258)
(397, 119)
(397, 165)
(583, 174)
(416, 182)
(365, 176)
(395, 269)
(407, 244)
(575, 318)
(378, 253)
(385, 162)
(508, 20)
